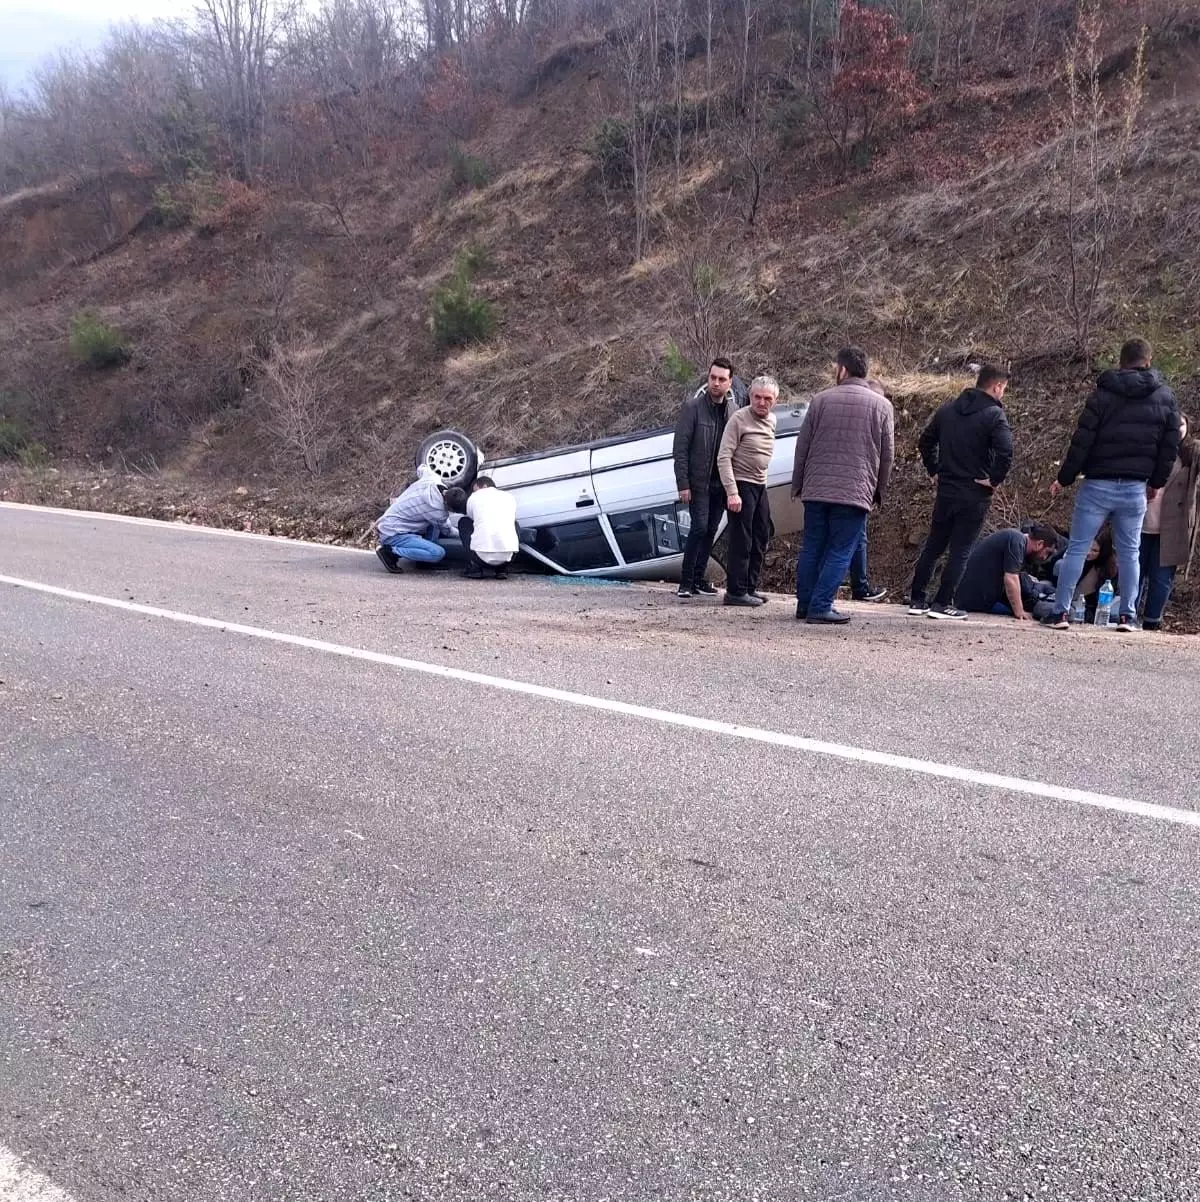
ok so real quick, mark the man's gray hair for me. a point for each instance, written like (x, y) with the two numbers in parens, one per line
(767, 383)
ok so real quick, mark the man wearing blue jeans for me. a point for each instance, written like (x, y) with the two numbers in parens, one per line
(844, 455)
(409, 529)
(1125, 446)
(861, 588)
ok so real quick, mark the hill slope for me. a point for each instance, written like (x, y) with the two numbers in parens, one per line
(281, 339)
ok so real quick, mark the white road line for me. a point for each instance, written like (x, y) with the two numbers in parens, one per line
(192, 527)
(861, 755)
(20, 1183)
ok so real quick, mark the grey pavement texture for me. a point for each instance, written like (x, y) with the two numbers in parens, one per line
(276, 924)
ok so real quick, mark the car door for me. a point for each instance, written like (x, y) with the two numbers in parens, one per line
(634, 483)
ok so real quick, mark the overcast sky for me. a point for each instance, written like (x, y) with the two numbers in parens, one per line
(29, 32)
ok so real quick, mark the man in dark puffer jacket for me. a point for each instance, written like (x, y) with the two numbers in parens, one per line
(1125, 446)
(967, 448)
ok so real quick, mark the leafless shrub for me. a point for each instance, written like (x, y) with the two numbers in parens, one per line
(296, 400)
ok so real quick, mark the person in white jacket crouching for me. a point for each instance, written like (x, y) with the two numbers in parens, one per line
(489, 530)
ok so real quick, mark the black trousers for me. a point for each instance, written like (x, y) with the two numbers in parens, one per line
(955, 525)
(466, 529)
(705, 509)
(749, 534)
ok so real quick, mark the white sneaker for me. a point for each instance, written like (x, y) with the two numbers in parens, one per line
(918, 609)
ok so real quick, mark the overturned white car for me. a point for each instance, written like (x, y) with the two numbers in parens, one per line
(606, 508)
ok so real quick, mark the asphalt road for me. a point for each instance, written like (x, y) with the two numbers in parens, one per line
(277, 923)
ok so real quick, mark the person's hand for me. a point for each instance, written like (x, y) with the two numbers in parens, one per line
(1151, 493)
(1023, 617)
(685, 495)
(735, 504)
(986, 483)
(933, 477)
(1055, 489)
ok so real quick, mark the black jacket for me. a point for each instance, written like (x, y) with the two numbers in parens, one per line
(1128, 430)
(968, 439)
(697, 437)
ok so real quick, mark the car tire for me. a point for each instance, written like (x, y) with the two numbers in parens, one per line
(452, 456)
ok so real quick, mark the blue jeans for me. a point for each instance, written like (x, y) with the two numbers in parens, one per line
(1123, 502)
(859, 584)
(415, 548)
(1157, 579)
(832, 534)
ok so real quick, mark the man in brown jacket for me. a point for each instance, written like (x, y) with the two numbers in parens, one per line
(742, 462)
(844, 454)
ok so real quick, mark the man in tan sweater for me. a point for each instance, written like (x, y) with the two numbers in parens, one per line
(742, 461)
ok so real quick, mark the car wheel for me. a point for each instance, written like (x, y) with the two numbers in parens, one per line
(451, 456)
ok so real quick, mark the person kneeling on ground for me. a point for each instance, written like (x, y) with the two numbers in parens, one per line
(489, 530)
(993, 581)
(742, 461)
(411, 525)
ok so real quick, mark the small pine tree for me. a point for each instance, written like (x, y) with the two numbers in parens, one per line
(459, 317)
(95, 343)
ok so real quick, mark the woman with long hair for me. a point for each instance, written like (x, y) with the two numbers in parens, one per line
(1169, 532)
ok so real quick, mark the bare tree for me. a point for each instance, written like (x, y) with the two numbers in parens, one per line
(240, 36)
(749, 131)
(1099, 134)
(635, 54)
(677, 25)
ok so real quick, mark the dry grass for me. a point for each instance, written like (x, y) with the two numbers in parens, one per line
(925, 386)
(474, 361)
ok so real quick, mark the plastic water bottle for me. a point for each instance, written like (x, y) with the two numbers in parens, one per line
(1114, 610)
(1104, 603)
(1078, 609)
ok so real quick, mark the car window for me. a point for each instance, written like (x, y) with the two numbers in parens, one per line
(575, 546)
(649, 533)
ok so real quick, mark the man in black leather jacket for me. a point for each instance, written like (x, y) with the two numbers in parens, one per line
(697, 437)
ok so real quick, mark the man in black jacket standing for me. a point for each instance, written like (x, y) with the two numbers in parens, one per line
(697, 438)
(967, 448)
(1124, 446)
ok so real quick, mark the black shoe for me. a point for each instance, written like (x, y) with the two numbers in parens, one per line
(685, 591)
(389, 559)
(743, 599)
(872, 594)
(472, 573)
(830, 617)
(1151, 625)
(946, 611)
(502, 573)
(801, 612)
(707, 588)
(758, 596)
(1058, 621)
